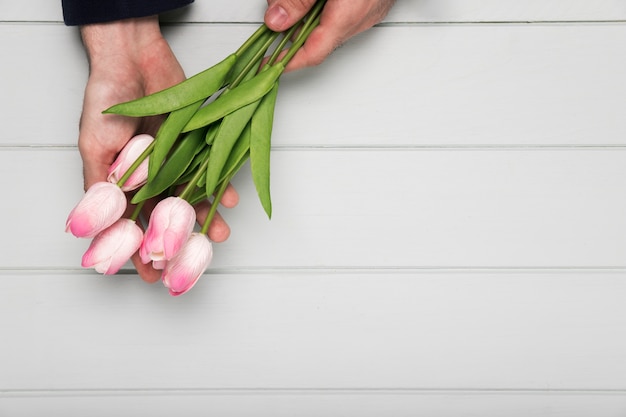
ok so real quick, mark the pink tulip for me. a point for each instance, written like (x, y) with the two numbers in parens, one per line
(182, 272)
(170, 225)
(133, 149)
(101, 206)
(113, 247)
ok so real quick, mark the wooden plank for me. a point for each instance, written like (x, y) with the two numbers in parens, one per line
(370, 208)
(403, 11)
(288, 330)
(331, 403)
(465, 85)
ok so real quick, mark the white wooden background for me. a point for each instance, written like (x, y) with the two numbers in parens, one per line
(449, 233)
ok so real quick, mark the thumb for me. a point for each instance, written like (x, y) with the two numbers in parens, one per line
(282, 14)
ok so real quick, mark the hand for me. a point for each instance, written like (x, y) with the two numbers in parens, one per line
(128, 59)
(340, 20)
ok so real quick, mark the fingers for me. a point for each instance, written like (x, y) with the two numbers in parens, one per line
(219, 231)
(282, 14)
(146, 271)
(101, 136)
(340, 20)
(319, 45)
(230, 198)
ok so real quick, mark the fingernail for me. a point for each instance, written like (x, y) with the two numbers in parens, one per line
(276, 17)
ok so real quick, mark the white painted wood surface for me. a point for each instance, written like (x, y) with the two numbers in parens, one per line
(462, 85)
(373, 208)
(448, 238)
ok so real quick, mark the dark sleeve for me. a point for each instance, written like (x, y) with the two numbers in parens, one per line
(81, 12)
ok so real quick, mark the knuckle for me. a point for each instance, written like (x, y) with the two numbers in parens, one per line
(299, 5)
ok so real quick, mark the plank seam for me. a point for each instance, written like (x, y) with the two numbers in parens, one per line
(405, 147)
(383, 24)
(255, 270)
(128, 392)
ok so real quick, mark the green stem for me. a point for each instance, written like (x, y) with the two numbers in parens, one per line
(188, 191)
(311, 23)
(216, 201)
(197, 197)
(315, 12)
(281, 45)
(191, 185)
(256, 35)
(137, 211)
(260, 54)
(136, 164)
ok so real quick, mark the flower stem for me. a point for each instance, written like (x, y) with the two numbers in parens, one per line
(137, 211)
(216, 201)
(197, 197)
(187, 193)
(288, 35)
(191, 185)
(136, 164)
(256, 35)
(251, 63)
(310, 23)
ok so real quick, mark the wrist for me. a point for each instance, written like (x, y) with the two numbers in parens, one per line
(119, 41)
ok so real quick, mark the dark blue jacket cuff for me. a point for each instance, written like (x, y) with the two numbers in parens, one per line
(82, 12)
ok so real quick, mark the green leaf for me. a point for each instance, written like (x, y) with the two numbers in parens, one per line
(229, 131)
(238, 155)
(211, 132)
(247, 56)
(193, 167)
(174, 167)
(196, 88)
(167, 135)
(246, 93)
(260, 146)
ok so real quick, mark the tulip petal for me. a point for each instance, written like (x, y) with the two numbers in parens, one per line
(101, 206)
(113, 247)
(170, 225)
(182, 272)
(127, 157)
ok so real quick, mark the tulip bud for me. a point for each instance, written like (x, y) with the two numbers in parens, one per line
(170, 225)
(101, 206)
(183, 271)
(113, 247)
(133, 149)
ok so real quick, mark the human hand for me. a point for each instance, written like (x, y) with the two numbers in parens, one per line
(129, 59)
(340, 20)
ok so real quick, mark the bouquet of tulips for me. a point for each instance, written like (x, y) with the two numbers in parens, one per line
(216, 121)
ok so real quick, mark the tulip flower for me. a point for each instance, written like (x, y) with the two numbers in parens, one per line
(101, 206)
(113, 247)
(182, 272)
(133, 149)
(170, 225)
(207, 138)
